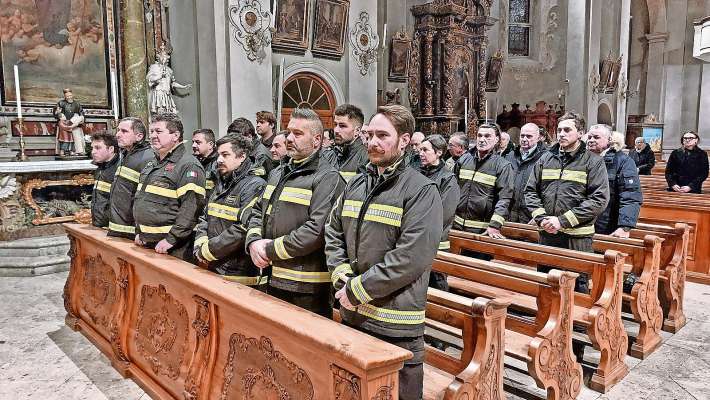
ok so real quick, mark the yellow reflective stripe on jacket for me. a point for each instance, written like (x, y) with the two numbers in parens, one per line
(259, 171)
(182, 190)
(252, 202)
(538, 212)
(470, 223)
(550, 174)
(206, 253)
(247, 280)
(340, 272)
(466, 174)
(497, 218)
(477, 176)
(384, 214)
(201, 239)
(296, 195)
(300, 276)
(268, 210)
(280, 249)
(347, 175)
(445, 245)
(268, 191)
(139, 187)
(571, 218)
(222, 211)
(128, 173)
(351, 208)
(359, 291)
(103, 186)
(583, 231)
(391, 316)
(155, 229)
(121, 228)
(209, 184)
(169, 193)
(566, 175)
(254, 231)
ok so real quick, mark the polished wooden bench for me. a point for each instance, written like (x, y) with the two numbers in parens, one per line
(542, 342)
(659, 183)
(599, 311)
(185, 333)
(643, 257)
(671, 281)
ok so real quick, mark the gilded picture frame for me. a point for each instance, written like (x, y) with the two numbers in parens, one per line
(291, 34)
(330, 27)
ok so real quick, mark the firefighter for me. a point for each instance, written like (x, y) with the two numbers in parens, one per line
(381, 240)
(131, 136)
(222, 228)
(260, 155)
(349, 154)
(104, 149)
(523, 159)
(203, 148)
(287, 223)
(171, 192)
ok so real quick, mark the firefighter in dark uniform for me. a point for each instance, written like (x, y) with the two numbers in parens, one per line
(486, 182)
(349, 154)
(104, 153)
(625, 198)
(222, 227)
(287, 223)
(171, 192)
(523, 159)
(381, 240)
(131, 135)
(260, 154)
(203, 148)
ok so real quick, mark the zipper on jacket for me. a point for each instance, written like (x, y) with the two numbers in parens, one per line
(361, 214)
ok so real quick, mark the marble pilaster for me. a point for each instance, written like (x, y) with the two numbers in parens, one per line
(655, 77)
(135, 61)
(576, 60)
(624, 33)
(594, 23)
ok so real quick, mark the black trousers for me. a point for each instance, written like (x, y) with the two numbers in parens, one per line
(318, 303)
(565, 241)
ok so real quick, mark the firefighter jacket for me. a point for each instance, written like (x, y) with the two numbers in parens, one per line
(625, 196)
(522, 168)
(209, 164)
(486, 189)
(570, 186)
(645, 160)
(170, 198)
(101, 195)
(450, 194)
(349, 159)
(292, 211)
(381, 239)
(222, 228)
(124, 187)
(687, 168)
(261, 158)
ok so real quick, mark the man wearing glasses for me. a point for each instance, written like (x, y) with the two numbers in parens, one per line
(687, 166)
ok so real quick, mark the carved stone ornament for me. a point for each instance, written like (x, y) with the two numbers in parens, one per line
(251, 27)
(98, 290)
(346, 385)
(40, 218)
(262, 372)
(364, 42)
(162, 331)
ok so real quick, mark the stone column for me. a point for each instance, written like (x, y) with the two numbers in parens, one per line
(593, 58)
(576, 50)
(624, 33)
(655, 76)
(135, 61)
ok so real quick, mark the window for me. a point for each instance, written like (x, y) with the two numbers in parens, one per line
(519, 28)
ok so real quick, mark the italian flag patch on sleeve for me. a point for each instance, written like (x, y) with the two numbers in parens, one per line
(191, 174)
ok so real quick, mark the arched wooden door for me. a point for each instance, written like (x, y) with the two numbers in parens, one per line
(308, 90)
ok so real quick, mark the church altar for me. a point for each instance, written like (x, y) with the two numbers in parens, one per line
(35, 198)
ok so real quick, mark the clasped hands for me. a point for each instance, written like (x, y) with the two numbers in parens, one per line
(681, 189)
(257, 251)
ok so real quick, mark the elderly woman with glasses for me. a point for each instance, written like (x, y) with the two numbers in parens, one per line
(687, 166)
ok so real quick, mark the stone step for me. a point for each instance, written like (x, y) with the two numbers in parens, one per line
(35, 247)
(32, 266)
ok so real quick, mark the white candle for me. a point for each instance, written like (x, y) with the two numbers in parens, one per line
(384, 36)
(465, 114)
(114, 95)
(17, 93)
(485, 104)
(638, 85)
(273, 14)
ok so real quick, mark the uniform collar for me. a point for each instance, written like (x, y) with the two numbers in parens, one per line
(308, 162)
(108, 163)
(398, 166)
(209, 159)
(174, 153)
(429, 170)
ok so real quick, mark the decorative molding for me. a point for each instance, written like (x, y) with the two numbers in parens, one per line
(72, 317)
(202, 324)
(120, 316)
(98, 290)
(252, 28)
(364, 42)
(346, 385)
(383, 393)
(46, 166)
(321, 71)
(40, 219)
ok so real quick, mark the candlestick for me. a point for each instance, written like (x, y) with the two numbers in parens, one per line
(465, 115)
(114, 95)
(485, 104)
(21, 156)
(17, 93)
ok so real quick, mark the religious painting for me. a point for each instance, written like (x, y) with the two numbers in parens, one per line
(35, 128)
(55, 44)
(291, 26)
(400, 48)
(330, 25)
(493, 72)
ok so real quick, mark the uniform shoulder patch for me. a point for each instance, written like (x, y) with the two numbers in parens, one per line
(191, 174)
(170, 167)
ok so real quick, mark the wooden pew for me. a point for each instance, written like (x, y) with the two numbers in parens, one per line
(599, 311)
(671, 280)
(659, 183)
(643, 257)
(184, 333)
(544, 343)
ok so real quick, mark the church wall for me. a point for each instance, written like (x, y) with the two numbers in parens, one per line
(184, 62)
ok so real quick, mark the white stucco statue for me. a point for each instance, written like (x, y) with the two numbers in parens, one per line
(161, 82)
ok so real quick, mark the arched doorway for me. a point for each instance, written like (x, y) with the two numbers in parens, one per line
(308, 90)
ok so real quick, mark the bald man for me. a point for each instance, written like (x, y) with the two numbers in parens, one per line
(413, 149)
(523, 160)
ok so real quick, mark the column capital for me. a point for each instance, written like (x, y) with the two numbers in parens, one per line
(657, 37)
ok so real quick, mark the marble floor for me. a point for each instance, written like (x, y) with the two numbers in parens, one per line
(40, 358)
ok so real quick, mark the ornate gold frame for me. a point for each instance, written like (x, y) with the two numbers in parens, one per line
(82, 217)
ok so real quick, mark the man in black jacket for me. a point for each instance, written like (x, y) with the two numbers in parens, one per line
(104, 149)
(349, 154)
(260, 155)
(643, 156)
(523, 160)
(203, 148)
(625, 198)
(687, 167)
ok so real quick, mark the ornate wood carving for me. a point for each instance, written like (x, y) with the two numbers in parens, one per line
(264, 372)
(40, 218)
(119, 316)
(98, 290)
(161, 331)
(202, 325)
(383, 393)
(346, 385)
(72, 314)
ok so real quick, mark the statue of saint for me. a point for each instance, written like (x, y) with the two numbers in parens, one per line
(161, 82)
(70, 135)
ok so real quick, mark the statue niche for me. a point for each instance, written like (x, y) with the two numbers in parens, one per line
(448, 64)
